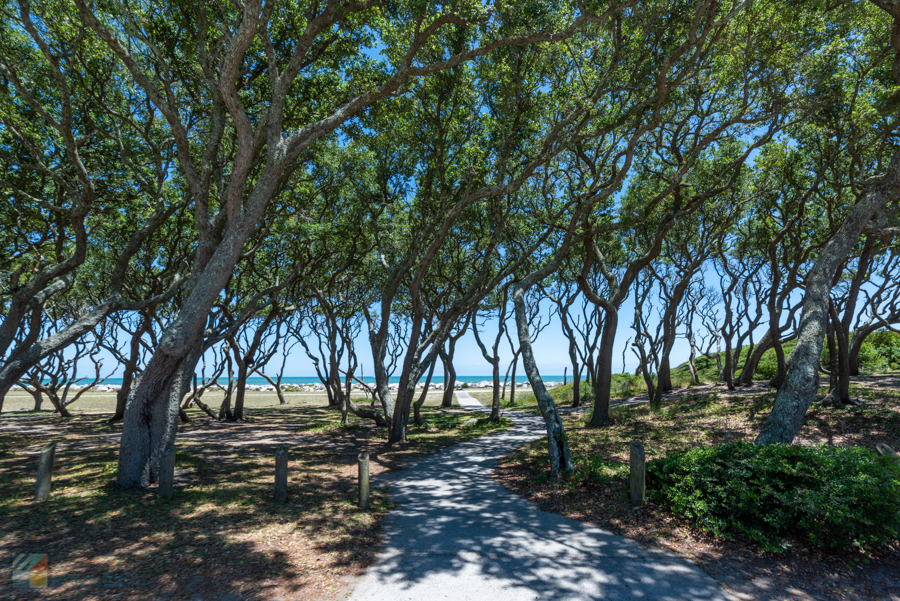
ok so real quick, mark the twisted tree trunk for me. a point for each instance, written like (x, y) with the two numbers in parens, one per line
(449, 376)
(802, 381)
(417, 406)
(602, 381)
(557, 443)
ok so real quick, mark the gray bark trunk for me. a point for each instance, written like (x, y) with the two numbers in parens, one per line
(364, 413)
(802, 381)
(728, 367)
(449, 377)
(856, 343)
(832, 357)
(664, 378)
(512, 391)
(417, 406)
(151, 417)
(277, 385)
(695, 378)
(152, 411)
(494, 360)
(495, 399)
(240, 392)
(778, 379)
(558, 445)
(38, 400)
(576, 386)
(602, 380)
(752, 363)
(844, 365)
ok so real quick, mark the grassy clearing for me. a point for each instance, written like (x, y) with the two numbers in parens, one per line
(624, 386)
(105, 402)
(222, 534)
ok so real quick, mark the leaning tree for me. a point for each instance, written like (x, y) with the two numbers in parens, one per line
(862, 70)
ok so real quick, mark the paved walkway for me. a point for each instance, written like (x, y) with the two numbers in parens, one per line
(458, 535)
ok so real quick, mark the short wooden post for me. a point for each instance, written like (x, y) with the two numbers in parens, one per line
(281, 475)
(45, 472)
(166, 486)
(363, 480)
(637, 459)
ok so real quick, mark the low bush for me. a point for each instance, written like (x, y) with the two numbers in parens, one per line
(598, 469)
(831, 496)
(622, 385)
(566, 393)
(880, 352)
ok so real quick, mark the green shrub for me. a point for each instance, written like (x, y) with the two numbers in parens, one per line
(832, 496)
(870, 360)
(768, 363)
(598, 469)
(622, 385)
(564, 394)
(880, 351)
(626, 385)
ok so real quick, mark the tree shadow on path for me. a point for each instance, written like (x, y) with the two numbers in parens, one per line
(459, 535)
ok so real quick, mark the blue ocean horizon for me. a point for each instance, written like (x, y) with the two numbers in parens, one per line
(307, 380)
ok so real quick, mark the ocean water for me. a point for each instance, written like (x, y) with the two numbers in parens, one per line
(306, 380)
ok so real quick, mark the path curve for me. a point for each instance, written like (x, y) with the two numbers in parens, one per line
(459, 535)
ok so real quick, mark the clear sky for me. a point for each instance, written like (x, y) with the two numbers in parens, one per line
(550, 348)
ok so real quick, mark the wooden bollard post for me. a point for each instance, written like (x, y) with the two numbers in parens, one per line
(363, 480)
(637, 459)
(281, 474)
(166, 487)
(45, 472)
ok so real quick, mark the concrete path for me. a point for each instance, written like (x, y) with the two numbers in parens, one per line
(458, 535)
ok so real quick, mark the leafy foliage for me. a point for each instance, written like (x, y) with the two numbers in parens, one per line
(880, 352)
(831, 496)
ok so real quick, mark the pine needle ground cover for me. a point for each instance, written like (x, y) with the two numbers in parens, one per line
(701, 418)
(222, 536)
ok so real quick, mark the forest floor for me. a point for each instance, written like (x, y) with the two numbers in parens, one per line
(713, 415)
(222, 536)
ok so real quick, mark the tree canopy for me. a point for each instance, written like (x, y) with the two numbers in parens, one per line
(200, 177)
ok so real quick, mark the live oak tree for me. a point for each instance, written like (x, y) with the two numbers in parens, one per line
(865, 75)
(672, 138)
(741, 287)
(56, 376)
(498, 302)
(83, 155)
(447, 352)
(536, 324)
(792, 217)
(700, 318)
(880, 306)
(131, 335)
(666, 59)
(245, 92)
(564, 295)
(189, 183)
(686, 249)
(477, 150)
